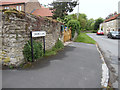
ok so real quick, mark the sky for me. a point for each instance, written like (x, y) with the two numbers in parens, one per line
(93, 8)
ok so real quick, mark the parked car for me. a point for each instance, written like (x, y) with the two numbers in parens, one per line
(100, 32)
(114, 34)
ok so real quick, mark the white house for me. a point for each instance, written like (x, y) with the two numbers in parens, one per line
(112, 23)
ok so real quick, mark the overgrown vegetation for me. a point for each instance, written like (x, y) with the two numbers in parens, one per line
(58, 46)
(75, 26)
(37, 50)
(84, 39)
(19, 14)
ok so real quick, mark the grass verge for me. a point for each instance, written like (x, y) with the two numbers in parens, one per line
(85, 39)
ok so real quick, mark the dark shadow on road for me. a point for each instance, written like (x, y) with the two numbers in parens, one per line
(45, 61)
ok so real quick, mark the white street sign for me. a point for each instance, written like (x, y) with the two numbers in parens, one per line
(38, 33)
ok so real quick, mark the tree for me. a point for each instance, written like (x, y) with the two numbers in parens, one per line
(75, 26)
(97, 23)
(90, 24)
(83, 20)
(60, 9)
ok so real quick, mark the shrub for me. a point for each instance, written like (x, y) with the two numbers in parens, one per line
(37, 50)
(58, 45)
(75, 26)
(94, 31)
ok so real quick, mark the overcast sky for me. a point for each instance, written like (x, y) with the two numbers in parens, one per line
(93, 8)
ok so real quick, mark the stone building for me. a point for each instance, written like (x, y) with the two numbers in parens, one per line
(24, 5)
(111, 23)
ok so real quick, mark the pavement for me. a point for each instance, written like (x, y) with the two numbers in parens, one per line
(77, 66)
(109, 49)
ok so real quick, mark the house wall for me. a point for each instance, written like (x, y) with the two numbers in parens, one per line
(30, 6)
(16, 33)
(110, 26)
(13, 7)
(119, 24)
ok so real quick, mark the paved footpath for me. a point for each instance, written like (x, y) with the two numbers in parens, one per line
(77, 66)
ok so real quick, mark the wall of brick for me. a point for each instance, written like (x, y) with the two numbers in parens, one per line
(16, 33)
(13, 7)
(30, 6)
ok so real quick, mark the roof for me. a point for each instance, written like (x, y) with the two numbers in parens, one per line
(112, 18)
(43, 12)
(9, 2)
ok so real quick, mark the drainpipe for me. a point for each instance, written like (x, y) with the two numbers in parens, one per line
(24, 7)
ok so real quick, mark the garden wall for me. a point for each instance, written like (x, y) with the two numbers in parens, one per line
(16, 28)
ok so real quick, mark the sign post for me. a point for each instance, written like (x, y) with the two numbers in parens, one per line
(44, 44)
(37, 34)
(31, 46)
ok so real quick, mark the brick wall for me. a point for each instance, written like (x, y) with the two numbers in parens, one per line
(30, 6)
(13, 7)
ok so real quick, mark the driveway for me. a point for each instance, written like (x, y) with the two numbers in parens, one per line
(109, 48)
(77, 66)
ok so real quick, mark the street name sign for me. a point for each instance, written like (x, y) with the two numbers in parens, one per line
(38, 33)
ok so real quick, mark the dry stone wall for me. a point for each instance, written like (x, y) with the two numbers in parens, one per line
(16, 27)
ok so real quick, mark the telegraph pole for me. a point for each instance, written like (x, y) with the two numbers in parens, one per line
(78, 10)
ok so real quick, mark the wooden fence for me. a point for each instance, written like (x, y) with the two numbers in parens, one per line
(67, 35)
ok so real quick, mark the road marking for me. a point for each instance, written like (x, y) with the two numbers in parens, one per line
(105, 71)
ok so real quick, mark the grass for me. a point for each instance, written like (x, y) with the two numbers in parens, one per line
(58, 46)
(85, 39)
(50, 53)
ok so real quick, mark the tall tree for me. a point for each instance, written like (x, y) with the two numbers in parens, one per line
(83, 20)
(97, 23)
(60, 9)
(90, 24)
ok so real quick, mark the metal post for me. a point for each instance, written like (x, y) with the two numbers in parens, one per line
(78, 11)
(31, 46)
(44, 44)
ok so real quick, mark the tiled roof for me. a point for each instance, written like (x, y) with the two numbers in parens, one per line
(43, 12)
(112, 18)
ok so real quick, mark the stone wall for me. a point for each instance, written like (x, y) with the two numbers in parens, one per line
(16, 28)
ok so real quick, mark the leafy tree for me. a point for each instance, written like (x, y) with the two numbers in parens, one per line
(83, 20)
(60, 9)
(90, 24)
(75, 26)
(97, 23)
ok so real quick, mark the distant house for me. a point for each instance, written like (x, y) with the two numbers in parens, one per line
(21, 5)
(112, 23)
(44, 12)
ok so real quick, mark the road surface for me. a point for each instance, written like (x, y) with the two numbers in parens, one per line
(109, 48)
(77, 66)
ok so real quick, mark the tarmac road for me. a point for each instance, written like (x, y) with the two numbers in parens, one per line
(109, 47)
(77, 66)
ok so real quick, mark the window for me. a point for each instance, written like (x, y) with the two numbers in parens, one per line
(18, 8)
(6, 7)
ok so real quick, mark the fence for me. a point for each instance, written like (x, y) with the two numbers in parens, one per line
(67, 35)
